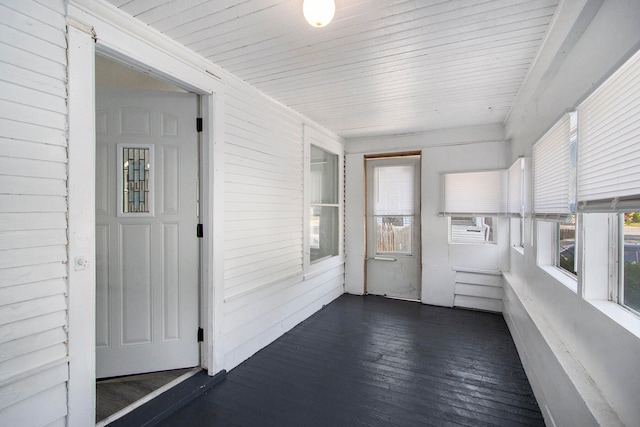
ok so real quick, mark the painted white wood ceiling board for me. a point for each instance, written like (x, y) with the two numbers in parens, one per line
(381, 67)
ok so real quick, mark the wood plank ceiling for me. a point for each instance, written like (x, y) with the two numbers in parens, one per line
(381, 67)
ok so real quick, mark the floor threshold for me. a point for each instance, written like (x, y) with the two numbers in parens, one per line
(166, 400)
(124, 411)
(402, 298)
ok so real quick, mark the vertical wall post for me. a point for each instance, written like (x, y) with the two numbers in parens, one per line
(81, 224)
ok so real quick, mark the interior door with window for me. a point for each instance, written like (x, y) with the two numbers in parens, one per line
(393, 227)
(146, 245)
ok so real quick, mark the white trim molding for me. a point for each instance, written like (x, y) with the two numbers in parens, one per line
(81, 228)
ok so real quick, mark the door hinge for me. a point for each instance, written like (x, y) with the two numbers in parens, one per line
(200, 335)
(199, 231)
(199, 124)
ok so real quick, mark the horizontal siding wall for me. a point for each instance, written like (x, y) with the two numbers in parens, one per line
(33, 213)
(265, 291)
(263, 193)
(478, 291)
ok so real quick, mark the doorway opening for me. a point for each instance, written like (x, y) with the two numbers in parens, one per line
(147, 252)
(393, 244)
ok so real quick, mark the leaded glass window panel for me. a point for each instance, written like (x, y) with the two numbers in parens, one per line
(135, 180)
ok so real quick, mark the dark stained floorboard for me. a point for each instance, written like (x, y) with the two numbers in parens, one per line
(371, 361)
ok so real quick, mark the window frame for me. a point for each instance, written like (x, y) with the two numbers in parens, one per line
(516, 206)
(403, 209)
(608, 123)
(516, 234)
(476, 195)
(556, 246)
(547, 243)
(323, 141)
(618, 264)
(554, 160)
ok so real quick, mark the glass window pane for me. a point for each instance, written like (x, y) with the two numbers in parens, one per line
(135, 179)
(324, 177)
(324, 230)
(631, 251)
(566, 247)
(393, 234)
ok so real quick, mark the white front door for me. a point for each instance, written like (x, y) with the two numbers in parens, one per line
(393, 227)
(146, 245)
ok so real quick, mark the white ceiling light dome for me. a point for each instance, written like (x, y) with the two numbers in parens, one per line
(318, 12)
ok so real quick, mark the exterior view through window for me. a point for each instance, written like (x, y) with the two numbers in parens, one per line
(393, 234)
(630, 261)
(566, 249)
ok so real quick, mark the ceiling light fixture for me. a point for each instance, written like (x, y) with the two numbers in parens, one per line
(318, 12)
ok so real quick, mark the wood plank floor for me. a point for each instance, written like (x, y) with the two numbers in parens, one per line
(371, 361)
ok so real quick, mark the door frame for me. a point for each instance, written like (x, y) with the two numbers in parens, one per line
(355, 212)
(366, 213)
(418, 218)
(96, 27)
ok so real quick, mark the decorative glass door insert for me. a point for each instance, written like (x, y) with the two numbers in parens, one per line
(135, 180)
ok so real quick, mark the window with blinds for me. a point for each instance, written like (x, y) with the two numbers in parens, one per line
(609, 147)
(515, 207)
(474, 193)
(609, 172)
(554, 171)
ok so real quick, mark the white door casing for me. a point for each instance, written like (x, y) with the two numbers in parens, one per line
(95, 28)
(393, 262)
(146, 263)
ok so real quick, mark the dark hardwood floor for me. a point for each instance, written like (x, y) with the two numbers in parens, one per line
(372, 361)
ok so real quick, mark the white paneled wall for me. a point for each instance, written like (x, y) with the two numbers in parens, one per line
(33, 223)
(265, 290)
(446, 151)
(263, 193)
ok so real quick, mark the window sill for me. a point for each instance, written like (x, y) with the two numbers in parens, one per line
(518, 249)
(557, 274)
(473, 243)
(618, 314)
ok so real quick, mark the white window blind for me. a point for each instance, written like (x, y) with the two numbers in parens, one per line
(609, 145)
(515, 190)
(474, 193)
(551, 169)
(393, 190)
